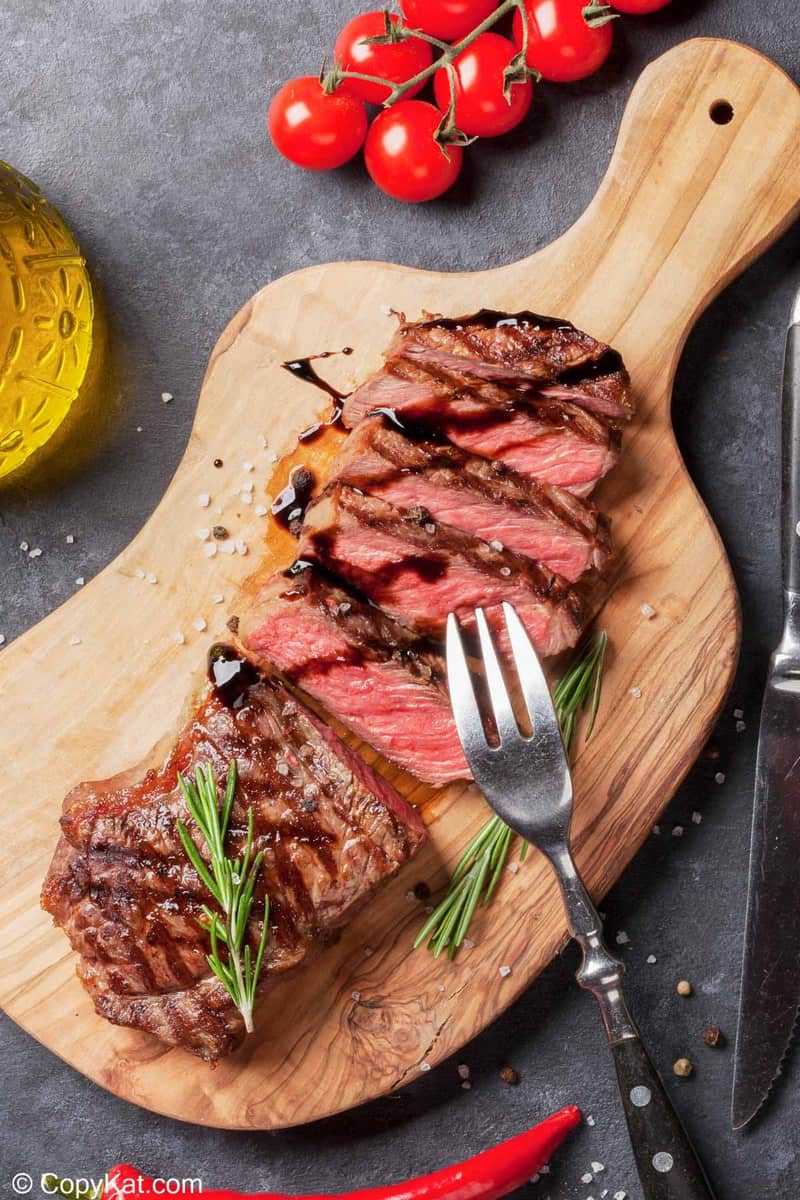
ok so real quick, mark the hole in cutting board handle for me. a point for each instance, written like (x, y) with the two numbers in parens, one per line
(721, 112)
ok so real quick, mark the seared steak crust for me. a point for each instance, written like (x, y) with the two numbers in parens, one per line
(123, 890)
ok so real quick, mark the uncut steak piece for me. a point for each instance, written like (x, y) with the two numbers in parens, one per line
(123, 890)
(419, 570)
(489, 500)
(545, 354)
(372, 674)
(552, 440)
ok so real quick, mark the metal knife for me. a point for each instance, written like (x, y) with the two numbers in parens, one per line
(770, 995)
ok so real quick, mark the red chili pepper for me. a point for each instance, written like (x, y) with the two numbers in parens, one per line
(487, 1176)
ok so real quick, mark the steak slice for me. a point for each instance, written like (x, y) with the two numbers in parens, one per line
(549, 439)
(486, 499)
(372, 674)
(525, 349)
(126, 895)
(418, 570)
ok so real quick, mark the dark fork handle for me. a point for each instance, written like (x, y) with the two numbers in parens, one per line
(668, 1167)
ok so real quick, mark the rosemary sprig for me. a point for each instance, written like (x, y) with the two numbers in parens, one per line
(231, 882)
(478, 871)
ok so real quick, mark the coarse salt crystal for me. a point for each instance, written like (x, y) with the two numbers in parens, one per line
(139, 429)
(463, 1070)
(260, 510)
(80, 581)
(241, 546)
(70, 538)
(247, 466)
(139, 573)
(740, 727)
(204, 499)
(199, 624)
(262, 441)
(468, 944)
(202, 534)
(151, 578)
(651, 958)
(622, 938)
(355, 996)
(505, 972)
(179, 638)
(738, 713)
(368, 952)
(424, 1066)
(719, 777)
(590, 1121)
(620, 1196)
(513, 868)
(273, 456)
(218, 599)
(697, 817)
(35, 553)
(166, 397)
(647, 611)
(2, 639)
(656, 830)
(24, 546)
(74, 640)
(282, 769)
(677, 831)
(586, 1177)
(246, 497)
(505, 571)
(636, 692)
(210, 549)
(496, 545)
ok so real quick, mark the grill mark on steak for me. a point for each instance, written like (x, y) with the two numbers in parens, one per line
(123, 890)
(486, 499)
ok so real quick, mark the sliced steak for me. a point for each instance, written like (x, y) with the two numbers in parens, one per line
(419, 570)
(489, 500)
(372, 674)
(525, 349)
(123, 890)
(549, 439)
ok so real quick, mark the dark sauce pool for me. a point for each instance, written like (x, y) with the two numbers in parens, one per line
(230, 675)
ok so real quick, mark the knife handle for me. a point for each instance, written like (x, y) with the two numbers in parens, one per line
(790, 491)
(668, 1167)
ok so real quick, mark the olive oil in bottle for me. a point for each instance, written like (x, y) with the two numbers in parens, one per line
(46, 321)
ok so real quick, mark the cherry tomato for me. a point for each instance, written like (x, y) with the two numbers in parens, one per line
(402, 156)
(395, 61)
(562, 45)
(450, 20)
(314, 129)
(482, 109)
(639, 6)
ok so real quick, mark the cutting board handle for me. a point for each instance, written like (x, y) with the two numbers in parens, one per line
(705, 173)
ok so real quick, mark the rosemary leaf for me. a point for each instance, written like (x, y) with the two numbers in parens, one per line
(231, 882)
(477, 873)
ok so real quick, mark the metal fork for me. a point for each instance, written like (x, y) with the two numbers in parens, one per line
(527, 781)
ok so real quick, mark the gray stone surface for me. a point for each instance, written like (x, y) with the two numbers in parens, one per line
(144, 121)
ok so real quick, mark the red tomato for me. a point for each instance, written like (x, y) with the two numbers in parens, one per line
(402, 156)
(450, 20)
(481, 106)
(396, 61)
(562, 46)
(314, 129)
(639, 6)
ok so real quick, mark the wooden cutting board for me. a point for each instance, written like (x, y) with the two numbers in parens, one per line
(686, 204)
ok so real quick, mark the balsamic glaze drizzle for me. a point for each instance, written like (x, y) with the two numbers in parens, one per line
(230, 674)
(289, 506)
(302, 368)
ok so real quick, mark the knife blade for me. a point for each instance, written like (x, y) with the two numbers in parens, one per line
(770, 993)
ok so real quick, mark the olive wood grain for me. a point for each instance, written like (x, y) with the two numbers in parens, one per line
(685, 205)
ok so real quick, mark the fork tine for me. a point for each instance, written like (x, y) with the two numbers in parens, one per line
(504, 717)
(469, 722)
(538, 700)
